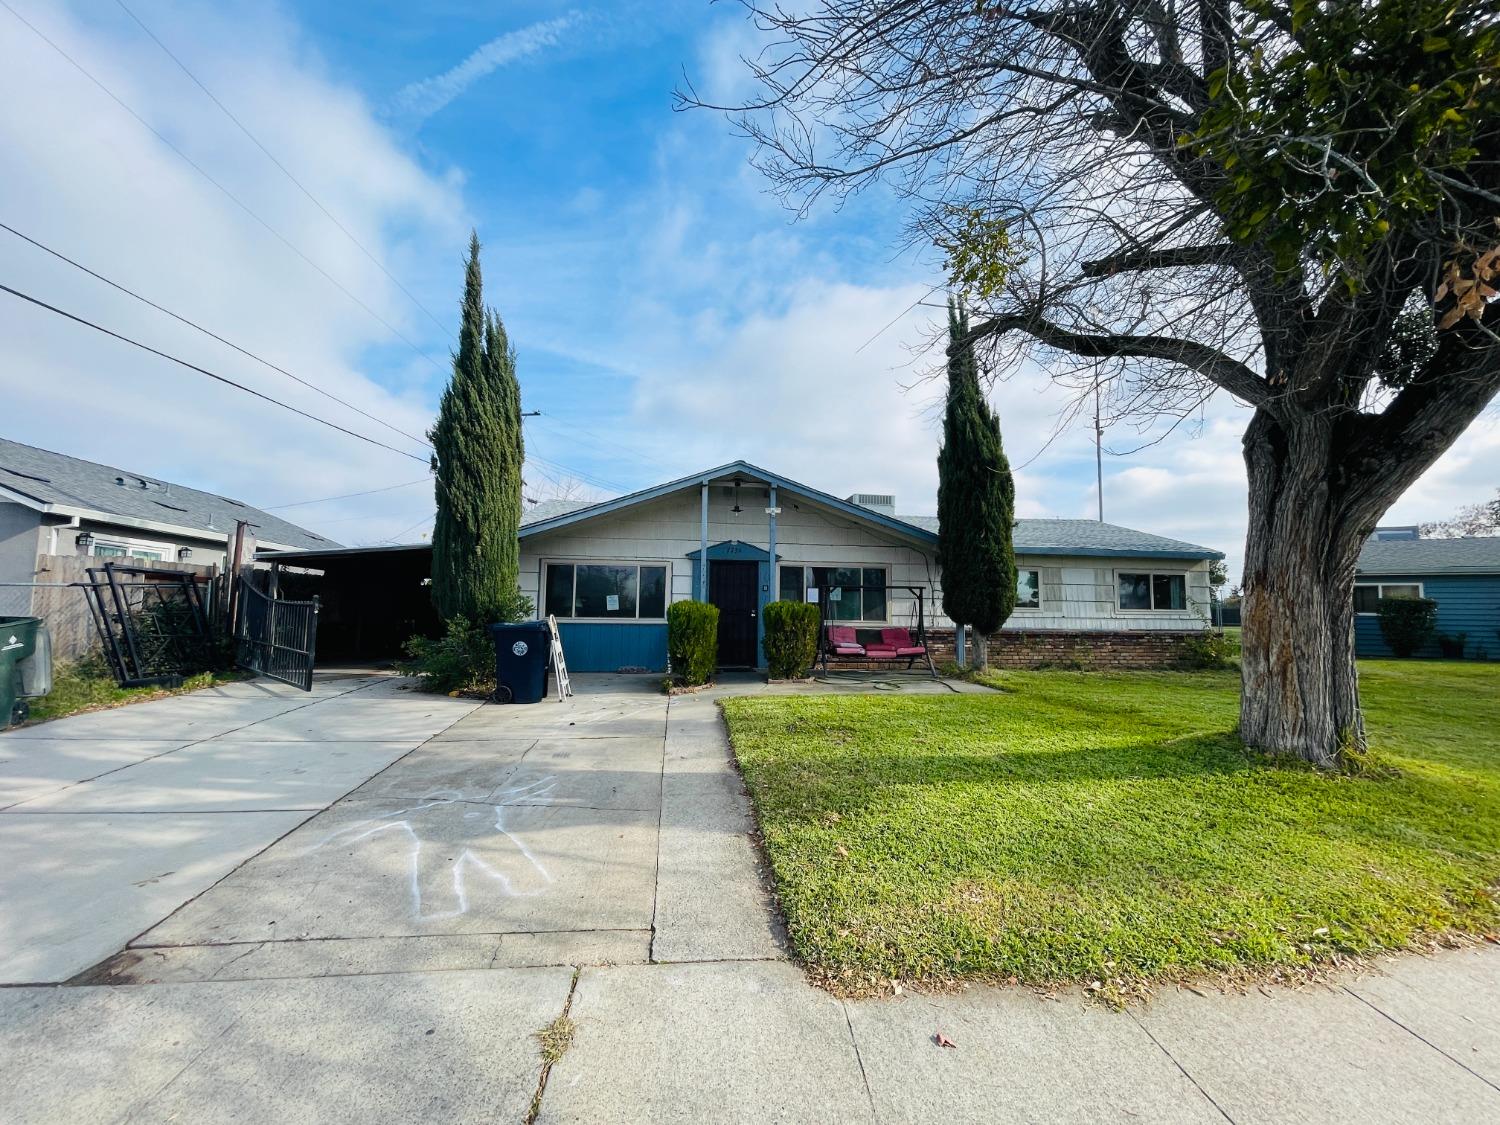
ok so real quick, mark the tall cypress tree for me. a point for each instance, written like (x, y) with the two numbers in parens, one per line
(976, 501)
(477, 464)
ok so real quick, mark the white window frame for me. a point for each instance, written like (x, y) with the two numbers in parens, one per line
(1152, 575)
(884, 568)
(1041, 601)
(1380, 593)
(168, 552)
(541, 601)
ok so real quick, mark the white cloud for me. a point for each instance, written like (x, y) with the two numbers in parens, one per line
(418, 101)
(82, 176)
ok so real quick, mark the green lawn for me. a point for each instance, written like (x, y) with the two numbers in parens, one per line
(1086, 826)
(87, 685)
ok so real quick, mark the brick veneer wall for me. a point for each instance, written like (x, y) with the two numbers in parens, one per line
(1056, 648)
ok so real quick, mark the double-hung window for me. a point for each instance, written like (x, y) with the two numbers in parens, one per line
(1150, 590)
(1367, 595)
(855, 593)
(611, 591)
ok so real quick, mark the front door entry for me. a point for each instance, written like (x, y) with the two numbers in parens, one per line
(733, 586)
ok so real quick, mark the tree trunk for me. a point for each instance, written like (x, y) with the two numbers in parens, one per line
(1300, 684)
(979, 651)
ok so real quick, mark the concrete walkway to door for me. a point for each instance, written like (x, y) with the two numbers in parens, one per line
(392, 957)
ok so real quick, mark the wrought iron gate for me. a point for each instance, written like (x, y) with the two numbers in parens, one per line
(152, 623)
(275, 637)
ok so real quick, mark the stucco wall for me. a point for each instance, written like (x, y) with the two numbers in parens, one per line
(19, 539)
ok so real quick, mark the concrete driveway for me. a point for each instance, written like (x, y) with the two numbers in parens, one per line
(111, 820)
(451, 879)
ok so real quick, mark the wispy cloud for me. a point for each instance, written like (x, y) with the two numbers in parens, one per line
(420, 100)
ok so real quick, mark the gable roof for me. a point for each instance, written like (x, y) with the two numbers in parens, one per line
(1059, 537)
(1474, 555)
(70, 485)
(734, 468)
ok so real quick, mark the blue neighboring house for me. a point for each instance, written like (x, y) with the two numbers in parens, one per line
(1461, 575)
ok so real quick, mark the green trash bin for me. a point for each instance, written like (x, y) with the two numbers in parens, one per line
(25, 666)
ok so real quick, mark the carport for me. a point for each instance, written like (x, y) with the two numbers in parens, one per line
(371, 598)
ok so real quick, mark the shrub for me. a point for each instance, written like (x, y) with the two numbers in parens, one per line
(791, 638)
(1210, 648)
(462, 659)
(1406, 623)
(1452, 645)
(693, 641)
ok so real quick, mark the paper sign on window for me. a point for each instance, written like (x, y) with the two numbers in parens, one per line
(611, 603)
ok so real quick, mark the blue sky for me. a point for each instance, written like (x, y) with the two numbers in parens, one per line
(668, 313)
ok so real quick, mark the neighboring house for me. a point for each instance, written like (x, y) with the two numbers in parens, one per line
(1088, 592)
(53, 504)
(1461, 575)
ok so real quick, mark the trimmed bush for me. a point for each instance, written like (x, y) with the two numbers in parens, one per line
(693, 641)
(1406, 623)
(461, 660)
(791, 638)
(1452, 645)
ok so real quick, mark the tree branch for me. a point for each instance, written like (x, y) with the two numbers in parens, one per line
(1175, 257)
(1224, 371)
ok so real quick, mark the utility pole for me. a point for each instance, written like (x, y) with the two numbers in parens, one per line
(1098, 448)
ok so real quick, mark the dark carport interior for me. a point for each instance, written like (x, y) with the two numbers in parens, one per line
(372, 598)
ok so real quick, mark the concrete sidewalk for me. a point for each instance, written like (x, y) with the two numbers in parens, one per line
(392, 957)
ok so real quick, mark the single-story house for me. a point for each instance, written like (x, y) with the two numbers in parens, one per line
(52, 504)
(1461, 575)
(740, 536)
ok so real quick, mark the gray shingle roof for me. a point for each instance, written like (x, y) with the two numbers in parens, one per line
(1088, 537)
(548, 509)
(55, 478)
(1478, 555)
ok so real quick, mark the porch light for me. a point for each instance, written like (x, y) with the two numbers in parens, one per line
(736, 510)
(184, 553)
(85, 542)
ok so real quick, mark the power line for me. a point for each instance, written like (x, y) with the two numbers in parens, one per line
(207, 332)
(203, 370)
(345, 496)
(284, 170)
(229, 194)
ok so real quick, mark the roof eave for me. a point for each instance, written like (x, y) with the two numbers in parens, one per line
(1196, 554)
(97, 515)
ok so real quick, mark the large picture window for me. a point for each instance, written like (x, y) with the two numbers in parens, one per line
(1144, 590)
(609, 591)
(855, 593)
(1367, 595)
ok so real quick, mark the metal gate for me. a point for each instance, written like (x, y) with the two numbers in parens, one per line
(275, 637)
(152, 623)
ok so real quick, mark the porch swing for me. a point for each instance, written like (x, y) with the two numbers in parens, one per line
(850, 644)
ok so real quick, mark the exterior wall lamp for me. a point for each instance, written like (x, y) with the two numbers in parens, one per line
(184, 553)
(84, 543)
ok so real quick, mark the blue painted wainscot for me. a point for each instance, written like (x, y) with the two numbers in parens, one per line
(608, 646)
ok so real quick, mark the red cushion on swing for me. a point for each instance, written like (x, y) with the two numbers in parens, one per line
(895, 638)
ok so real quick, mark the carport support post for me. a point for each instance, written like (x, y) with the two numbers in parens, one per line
(703, 546)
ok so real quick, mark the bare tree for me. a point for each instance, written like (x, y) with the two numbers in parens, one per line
(1290, 202)
(1472, 519)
